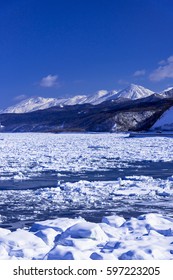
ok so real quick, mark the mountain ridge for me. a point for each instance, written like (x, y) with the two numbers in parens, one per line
(108, 116)
(102, 112)
(131, 92)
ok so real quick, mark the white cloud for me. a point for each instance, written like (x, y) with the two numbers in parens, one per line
(170, 59)
(165, 70)
(20, 97)
(122, 82)
(162, 62)
(49, 81)
(139, 73)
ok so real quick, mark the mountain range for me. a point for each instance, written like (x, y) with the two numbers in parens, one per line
(131, 92)
(132, 109)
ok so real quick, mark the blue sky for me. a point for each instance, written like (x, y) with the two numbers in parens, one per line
(61, 48)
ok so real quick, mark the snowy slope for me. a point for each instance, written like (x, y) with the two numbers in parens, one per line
(165, 122)
(100, 96)
(134, 92)
(33, 104)
(167, 92)
(78, 99)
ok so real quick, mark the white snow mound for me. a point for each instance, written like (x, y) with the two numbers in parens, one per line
(147, 237)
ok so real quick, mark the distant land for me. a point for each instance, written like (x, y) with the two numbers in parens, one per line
(132, 109)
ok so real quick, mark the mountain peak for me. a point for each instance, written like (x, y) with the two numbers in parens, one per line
(134, 92)
(133, 86)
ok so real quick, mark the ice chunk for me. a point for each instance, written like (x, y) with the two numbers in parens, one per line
(60, 252)
(59, 224)
(115, 221)
(86, 230)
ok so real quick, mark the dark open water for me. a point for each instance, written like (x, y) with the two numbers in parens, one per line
(24, 213)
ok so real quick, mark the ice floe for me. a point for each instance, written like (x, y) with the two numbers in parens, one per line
(91, 200)
(27, 155)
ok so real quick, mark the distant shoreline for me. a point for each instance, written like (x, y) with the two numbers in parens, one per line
(151, 134)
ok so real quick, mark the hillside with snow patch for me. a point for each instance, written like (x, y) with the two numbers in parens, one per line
(165, 122)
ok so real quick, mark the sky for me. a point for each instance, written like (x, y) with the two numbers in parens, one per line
(62, 48)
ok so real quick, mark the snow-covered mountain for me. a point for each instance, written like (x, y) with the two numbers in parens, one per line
(33, 104)
(78, 99)
(167, 92)
(119, 115)
(39, 103)
(165, 122)
(100, 96)
(134, 92)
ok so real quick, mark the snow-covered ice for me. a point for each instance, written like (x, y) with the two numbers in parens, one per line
(147, 237)
(89, 211)
(27, 155)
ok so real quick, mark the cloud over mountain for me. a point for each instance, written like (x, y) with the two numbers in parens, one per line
(139, 73)
(49, 81)
(20, 97)
(165, 70)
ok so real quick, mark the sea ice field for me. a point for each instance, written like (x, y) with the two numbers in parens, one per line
(86, 196)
